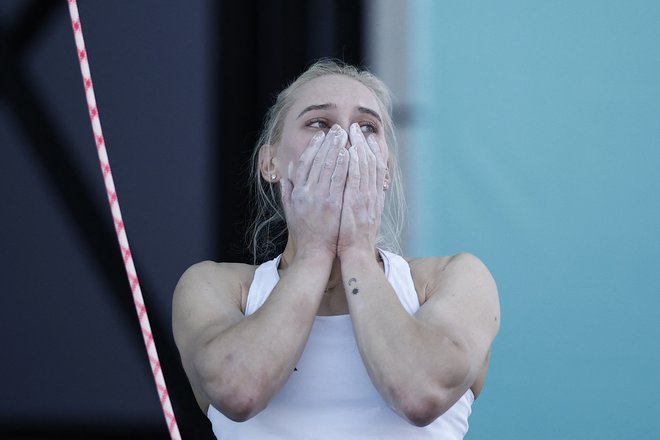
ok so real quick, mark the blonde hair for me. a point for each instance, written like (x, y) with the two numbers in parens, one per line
(268, 230)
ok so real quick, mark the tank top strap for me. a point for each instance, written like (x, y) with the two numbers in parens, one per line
(397, 272)
(263, 283)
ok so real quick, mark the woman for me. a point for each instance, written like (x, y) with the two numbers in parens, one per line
(334, 337)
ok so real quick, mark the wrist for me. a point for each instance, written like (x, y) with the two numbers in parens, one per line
(355, 255)
(313, 256)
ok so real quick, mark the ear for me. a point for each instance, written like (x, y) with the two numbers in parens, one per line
(267, 164)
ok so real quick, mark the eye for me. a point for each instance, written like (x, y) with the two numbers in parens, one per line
(320, 124)
(368, 127)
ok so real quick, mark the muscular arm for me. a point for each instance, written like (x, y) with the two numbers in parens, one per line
(423, 364)
(420, 364)
(238, 363)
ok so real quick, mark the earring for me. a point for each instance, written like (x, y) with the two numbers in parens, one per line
(273, 176)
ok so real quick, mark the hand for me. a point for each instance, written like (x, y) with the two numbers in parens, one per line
(313, 200)
(364, 197)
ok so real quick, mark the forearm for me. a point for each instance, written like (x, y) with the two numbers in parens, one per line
(411, 364)
(245, 365)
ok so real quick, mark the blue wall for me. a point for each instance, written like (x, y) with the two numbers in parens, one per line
(536, 146)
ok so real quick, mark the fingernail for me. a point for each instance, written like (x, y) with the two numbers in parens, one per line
(355, 126)
(318, 135)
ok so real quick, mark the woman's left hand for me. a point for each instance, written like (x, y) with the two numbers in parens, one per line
(364, 194)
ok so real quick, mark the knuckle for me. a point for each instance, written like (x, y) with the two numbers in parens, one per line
(299, 193)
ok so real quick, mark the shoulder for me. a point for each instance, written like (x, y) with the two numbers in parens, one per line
(208, 296)
(218, 274)
(211, 269)
(209, 280)
(431, 273)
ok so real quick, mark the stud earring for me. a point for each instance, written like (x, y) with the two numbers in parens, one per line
(273, 176)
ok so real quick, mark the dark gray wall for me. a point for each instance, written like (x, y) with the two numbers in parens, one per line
(69, 353)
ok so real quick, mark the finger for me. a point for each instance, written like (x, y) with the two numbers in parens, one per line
(332, 140)
(285, 188)
(306, 159)
(371, 166)
(358, 142)
(353, 177)
(381, 167)
(340, 174)
(330, 162)
(368, 176)
(376, 165)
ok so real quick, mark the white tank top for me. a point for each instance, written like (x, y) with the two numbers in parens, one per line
(329, 395)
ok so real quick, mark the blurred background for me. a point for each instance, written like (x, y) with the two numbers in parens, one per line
(529, 136)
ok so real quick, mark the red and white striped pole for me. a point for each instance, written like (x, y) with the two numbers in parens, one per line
(119, 226)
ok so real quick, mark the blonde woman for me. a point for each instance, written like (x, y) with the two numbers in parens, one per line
(334, 335)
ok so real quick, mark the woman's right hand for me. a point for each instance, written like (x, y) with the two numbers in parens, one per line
(313, 197)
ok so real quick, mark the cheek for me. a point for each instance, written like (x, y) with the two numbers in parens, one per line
(289, 152)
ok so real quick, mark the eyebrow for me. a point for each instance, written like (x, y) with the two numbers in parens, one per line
(370, 112)
(330, 105)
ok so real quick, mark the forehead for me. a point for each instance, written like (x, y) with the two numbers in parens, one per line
(336, 89)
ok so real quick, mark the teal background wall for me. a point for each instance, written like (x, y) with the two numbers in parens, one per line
(536, 146)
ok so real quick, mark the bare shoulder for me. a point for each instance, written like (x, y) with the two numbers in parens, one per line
(230, 280)
(212, 271)
(453, 273)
